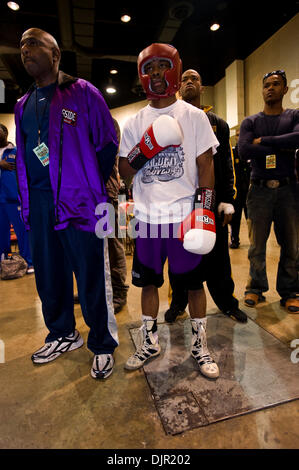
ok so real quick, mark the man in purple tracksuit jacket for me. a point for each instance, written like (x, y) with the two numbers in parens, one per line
(66, 148)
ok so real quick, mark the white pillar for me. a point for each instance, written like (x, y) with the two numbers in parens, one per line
(234, 83)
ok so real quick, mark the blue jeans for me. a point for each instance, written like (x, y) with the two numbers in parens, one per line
(281, 207)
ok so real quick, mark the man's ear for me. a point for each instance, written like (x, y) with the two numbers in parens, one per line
(286, 89)
(56, 54)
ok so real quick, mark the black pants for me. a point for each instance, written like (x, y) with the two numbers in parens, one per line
(216, 271)
(240, 205)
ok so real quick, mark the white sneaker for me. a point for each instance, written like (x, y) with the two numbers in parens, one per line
(200, 352)
(148, 348)
(50, 351)
(30, 270)
(102, 366)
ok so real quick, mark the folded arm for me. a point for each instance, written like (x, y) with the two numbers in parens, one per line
(248, 145)
(284, 141)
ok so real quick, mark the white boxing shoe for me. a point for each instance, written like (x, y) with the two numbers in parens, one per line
(199, 349)
(148, 348)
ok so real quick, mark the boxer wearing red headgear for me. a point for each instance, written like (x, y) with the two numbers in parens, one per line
(159, 68)
(172, 75)
(168, 145)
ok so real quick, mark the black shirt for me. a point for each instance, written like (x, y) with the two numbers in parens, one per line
(223, 165)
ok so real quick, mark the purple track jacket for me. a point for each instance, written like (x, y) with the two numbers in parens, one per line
(80, 127)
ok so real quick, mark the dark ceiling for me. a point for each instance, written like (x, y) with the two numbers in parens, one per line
(94, 40)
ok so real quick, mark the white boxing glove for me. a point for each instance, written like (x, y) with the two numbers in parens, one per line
(199, 241)
(198, 230)
(162, 133)
(166, 131)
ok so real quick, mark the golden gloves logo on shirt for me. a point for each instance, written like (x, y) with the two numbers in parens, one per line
(167, 165)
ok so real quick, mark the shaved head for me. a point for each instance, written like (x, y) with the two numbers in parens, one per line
(36, 32)
(40, 55)
(191, 87)
(192, 71)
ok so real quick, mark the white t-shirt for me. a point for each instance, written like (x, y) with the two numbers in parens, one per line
(164, 188)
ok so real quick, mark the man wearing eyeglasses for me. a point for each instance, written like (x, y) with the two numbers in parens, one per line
(270, 138)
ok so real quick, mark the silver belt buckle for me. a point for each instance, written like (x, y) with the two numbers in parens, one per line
(273, 184)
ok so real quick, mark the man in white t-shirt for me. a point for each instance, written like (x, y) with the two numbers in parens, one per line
(168, 146)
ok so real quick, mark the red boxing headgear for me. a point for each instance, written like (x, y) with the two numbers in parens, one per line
(172, 76)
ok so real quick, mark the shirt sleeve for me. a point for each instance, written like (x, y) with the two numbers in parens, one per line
(285, 141)
(247, 149)
(128, 139)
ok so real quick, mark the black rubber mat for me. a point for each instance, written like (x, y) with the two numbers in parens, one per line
(256, 372)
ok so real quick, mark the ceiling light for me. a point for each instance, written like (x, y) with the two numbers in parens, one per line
(125, 18)
(113, 71)
(111, 90)
(13, 6)
(214, 27)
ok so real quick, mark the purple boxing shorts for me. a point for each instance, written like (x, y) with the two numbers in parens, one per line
(158, 242)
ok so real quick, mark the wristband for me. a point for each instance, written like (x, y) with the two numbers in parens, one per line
(205, 199)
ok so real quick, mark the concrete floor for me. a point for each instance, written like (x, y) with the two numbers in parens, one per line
(59, 406)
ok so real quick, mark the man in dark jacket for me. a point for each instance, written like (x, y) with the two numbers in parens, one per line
(66, 148)
(242, 172)
(117, 257)
(215, 266)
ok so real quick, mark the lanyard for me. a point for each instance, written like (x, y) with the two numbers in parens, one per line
(51, 92)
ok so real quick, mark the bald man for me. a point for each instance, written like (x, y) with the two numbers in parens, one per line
(215, 266)
(40, 55)
(66, 148)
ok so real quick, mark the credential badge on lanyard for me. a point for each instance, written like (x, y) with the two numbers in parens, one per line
(270, 162)
(42, 153)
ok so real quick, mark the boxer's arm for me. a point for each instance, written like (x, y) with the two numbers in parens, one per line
(205, 168)
(125, 169)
